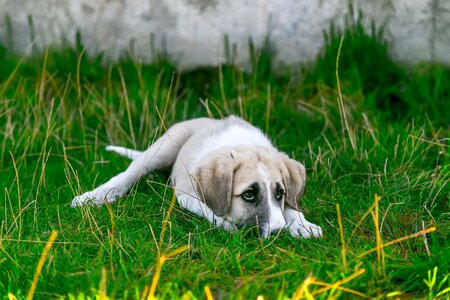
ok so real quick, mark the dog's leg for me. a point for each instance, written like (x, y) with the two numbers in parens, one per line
(160, 155)
(201, 209)
(299, 226)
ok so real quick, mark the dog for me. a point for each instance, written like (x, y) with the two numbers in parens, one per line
(226, 170)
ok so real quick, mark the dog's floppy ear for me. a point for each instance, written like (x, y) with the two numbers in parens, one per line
(294, 177)
(214, 182)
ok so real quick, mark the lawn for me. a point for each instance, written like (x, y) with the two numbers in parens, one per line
(374, 136)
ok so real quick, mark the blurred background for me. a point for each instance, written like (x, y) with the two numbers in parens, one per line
(196, 33)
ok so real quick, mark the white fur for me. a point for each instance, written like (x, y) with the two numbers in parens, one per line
(232, 136)
(299, 226)
(128, 153)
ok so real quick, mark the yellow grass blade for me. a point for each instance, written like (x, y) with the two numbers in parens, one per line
(422, 232)
(102, 293)
(166, 219)
(208, 293)
(11, 297)
(341, 232)
(337, 284)
(341, 105)
(380, 249)
(300, 292)
(37, 273)
(161, 260)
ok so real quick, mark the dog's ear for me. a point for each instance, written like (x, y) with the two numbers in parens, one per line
(294, 177)
(214, 182)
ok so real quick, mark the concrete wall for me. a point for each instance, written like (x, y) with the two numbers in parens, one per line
(192, 32)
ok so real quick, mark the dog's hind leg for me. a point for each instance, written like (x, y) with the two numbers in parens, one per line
(160, 155)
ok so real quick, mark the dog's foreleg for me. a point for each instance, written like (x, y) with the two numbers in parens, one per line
(299, 226)
(159, 155)
(201, 209)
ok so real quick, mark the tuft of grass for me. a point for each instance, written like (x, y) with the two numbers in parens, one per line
(369, 75)
(59, 109)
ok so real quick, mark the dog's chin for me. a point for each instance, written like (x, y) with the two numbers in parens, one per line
(265, 232)
(254, 231)
(253, 226)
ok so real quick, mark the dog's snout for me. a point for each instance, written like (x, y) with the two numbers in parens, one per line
(274, 223)
(267, 229)
(276, 218)
(277, 225)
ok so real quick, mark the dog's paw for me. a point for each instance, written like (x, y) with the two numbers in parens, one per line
(305, 229)
(90, 198)
(85, 199)
(97, 197)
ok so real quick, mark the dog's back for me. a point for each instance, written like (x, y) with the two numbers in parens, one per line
(228, 132)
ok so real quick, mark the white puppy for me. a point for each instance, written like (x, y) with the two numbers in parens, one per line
(224, 170)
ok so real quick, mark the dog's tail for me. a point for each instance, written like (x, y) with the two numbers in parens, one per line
(128, 153)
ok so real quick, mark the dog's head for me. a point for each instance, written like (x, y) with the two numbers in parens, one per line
(250, 186)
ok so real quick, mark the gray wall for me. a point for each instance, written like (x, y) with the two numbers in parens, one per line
(192, 31)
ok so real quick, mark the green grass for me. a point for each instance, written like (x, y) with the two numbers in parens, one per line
(59, 109)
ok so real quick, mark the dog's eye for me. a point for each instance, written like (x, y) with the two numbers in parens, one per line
(279, 195)
(248, 196)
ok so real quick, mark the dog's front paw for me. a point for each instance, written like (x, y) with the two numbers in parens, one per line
(305, 229)
(87, 198)
(96, 197)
